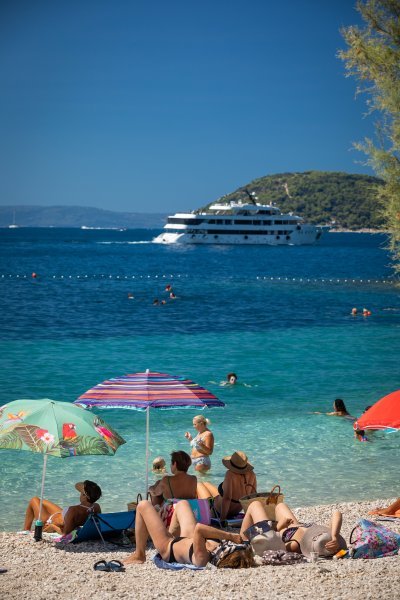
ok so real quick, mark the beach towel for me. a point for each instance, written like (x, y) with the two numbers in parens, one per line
(200, 507)
(372, 540)
(162, 564)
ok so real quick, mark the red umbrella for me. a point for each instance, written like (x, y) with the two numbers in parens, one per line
(384, 414)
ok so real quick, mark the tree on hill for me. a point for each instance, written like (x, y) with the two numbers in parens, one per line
(373, 57)
(320, 197)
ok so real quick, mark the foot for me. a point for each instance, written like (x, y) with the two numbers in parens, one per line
(135, 559)
(379, 511)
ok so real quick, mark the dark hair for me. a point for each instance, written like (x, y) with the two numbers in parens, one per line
(239, 559)
(182, 460)
(91, 490)
(231, 375)
(368, 407)
(340, 406)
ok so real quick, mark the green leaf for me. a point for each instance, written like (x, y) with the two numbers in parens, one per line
(11, 441)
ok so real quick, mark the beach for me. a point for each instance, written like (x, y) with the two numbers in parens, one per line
(42, 570)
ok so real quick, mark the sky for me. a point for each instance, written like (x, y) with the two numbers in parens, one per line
(161, 106)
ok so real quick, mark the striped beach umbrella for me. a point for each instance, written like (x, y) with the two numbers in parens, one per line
(142, 391)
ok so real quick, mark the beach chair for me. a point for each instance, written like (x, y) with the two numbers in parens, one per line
(105, 525)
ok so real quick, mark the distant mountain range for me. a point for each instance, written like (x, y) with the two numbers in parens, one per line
(319, 197)
(77, 216)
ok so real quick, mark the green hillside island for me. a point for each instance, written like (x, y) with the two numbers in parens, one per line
(343, 200)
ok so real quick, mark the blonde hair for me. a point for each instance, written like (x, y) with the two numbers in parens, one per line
(159, 464)
(202, 419)
(240, 559)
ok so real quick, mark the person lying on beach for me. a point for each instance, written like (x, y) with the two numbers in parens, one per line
(179, 485)
(240, 480)
(298, 537)
(339, 410)
(391, 511)
(197, 544)
(58, 520)
(202, 444)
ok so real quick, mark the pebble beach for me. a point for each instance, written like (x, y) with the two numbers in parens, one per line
(45, 569)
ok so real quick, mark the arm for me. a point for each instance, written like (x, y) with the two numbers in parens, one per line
(227, 497)
(336, 524)
(207, 445)
(157, 488)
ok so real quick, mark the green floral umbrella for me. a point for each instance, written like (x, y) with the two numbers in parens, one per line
(55, 428)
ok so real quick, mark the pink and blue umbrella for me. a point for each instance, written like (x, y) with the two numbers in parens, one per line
(142, 391)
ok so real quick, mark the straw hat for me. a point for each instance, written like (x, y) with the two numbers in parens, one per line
(315, 538)
(237, 462)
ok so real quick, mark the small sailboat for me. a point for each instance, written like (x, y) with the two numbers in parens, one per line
(13, 224)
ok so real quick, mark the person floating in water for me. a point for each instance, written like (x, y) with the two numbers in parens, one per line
(339, 410)
(231, 379)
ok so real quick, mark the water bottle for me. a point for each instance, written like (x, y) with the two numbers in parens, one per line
(37, 536)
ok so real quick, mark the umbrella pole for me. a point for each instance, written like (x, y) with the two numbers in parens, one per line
(42, 490)
(147, 447)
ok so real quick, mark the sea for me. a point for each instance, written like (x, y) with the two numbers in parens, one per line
(279, 317)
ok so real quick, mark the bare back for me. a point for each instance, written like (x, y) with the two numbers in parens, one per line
(180, 485)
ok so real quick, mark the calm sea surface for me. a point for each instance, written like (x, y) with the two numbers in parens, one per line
(278, 317)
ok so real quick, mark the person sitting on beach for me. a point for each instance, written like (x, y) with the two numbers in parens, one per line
(202, 444)
(159, 465)
(339, 410)
(298, 537)
(197, 544)
(240, 480)
(179, 485)
(59, 520)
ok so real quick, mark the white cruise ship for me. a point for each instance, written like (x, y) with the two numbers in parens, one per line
(238, 223)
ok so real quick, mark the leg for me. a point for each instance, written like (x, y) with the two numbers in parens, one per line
(390, 510)
(201, 468)
(148, 523)
(284, 516)
(254, 514)
(206, 490)
(185, 518)
(32, 511)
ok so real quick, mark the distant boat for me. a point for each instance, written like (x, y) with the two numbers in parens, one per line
(239, 223)
(13, 224)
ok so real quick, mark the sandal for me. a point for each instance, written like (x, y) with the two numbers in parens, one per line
(101, 565)
(115, 565)
(112, 565)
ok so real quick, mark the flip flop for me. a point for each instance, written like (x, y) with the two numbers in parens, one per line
(3, 570)
(112, 565)
(101, 565)
(115, 565)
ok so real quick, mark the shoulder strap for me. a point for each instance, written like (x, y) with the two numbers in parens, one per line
(170, 487)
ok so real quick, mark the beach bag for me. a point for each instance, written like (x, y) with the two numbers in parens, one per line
(133, 505)
(268, 499)
(370, 540)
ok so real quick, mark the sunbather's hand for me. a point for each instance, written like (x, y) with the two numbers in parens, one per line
(333, 545)
(286, 523)
(188, 436)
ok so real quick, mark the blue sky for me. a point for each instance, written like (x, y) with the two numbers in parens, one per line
(163, 106)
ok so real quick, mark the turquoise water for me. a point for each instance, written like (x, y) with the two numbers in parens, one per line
(279, 317)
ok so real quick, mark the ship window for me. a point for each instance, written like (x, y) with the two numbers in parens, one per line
(278, 222)
(178, 221)
(242, 222)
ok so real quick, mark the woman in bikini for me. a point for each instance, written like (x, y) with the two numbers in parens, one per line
(297, 537)
(202, 444)
(59, 520)
(198, 544)
(240, 480)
